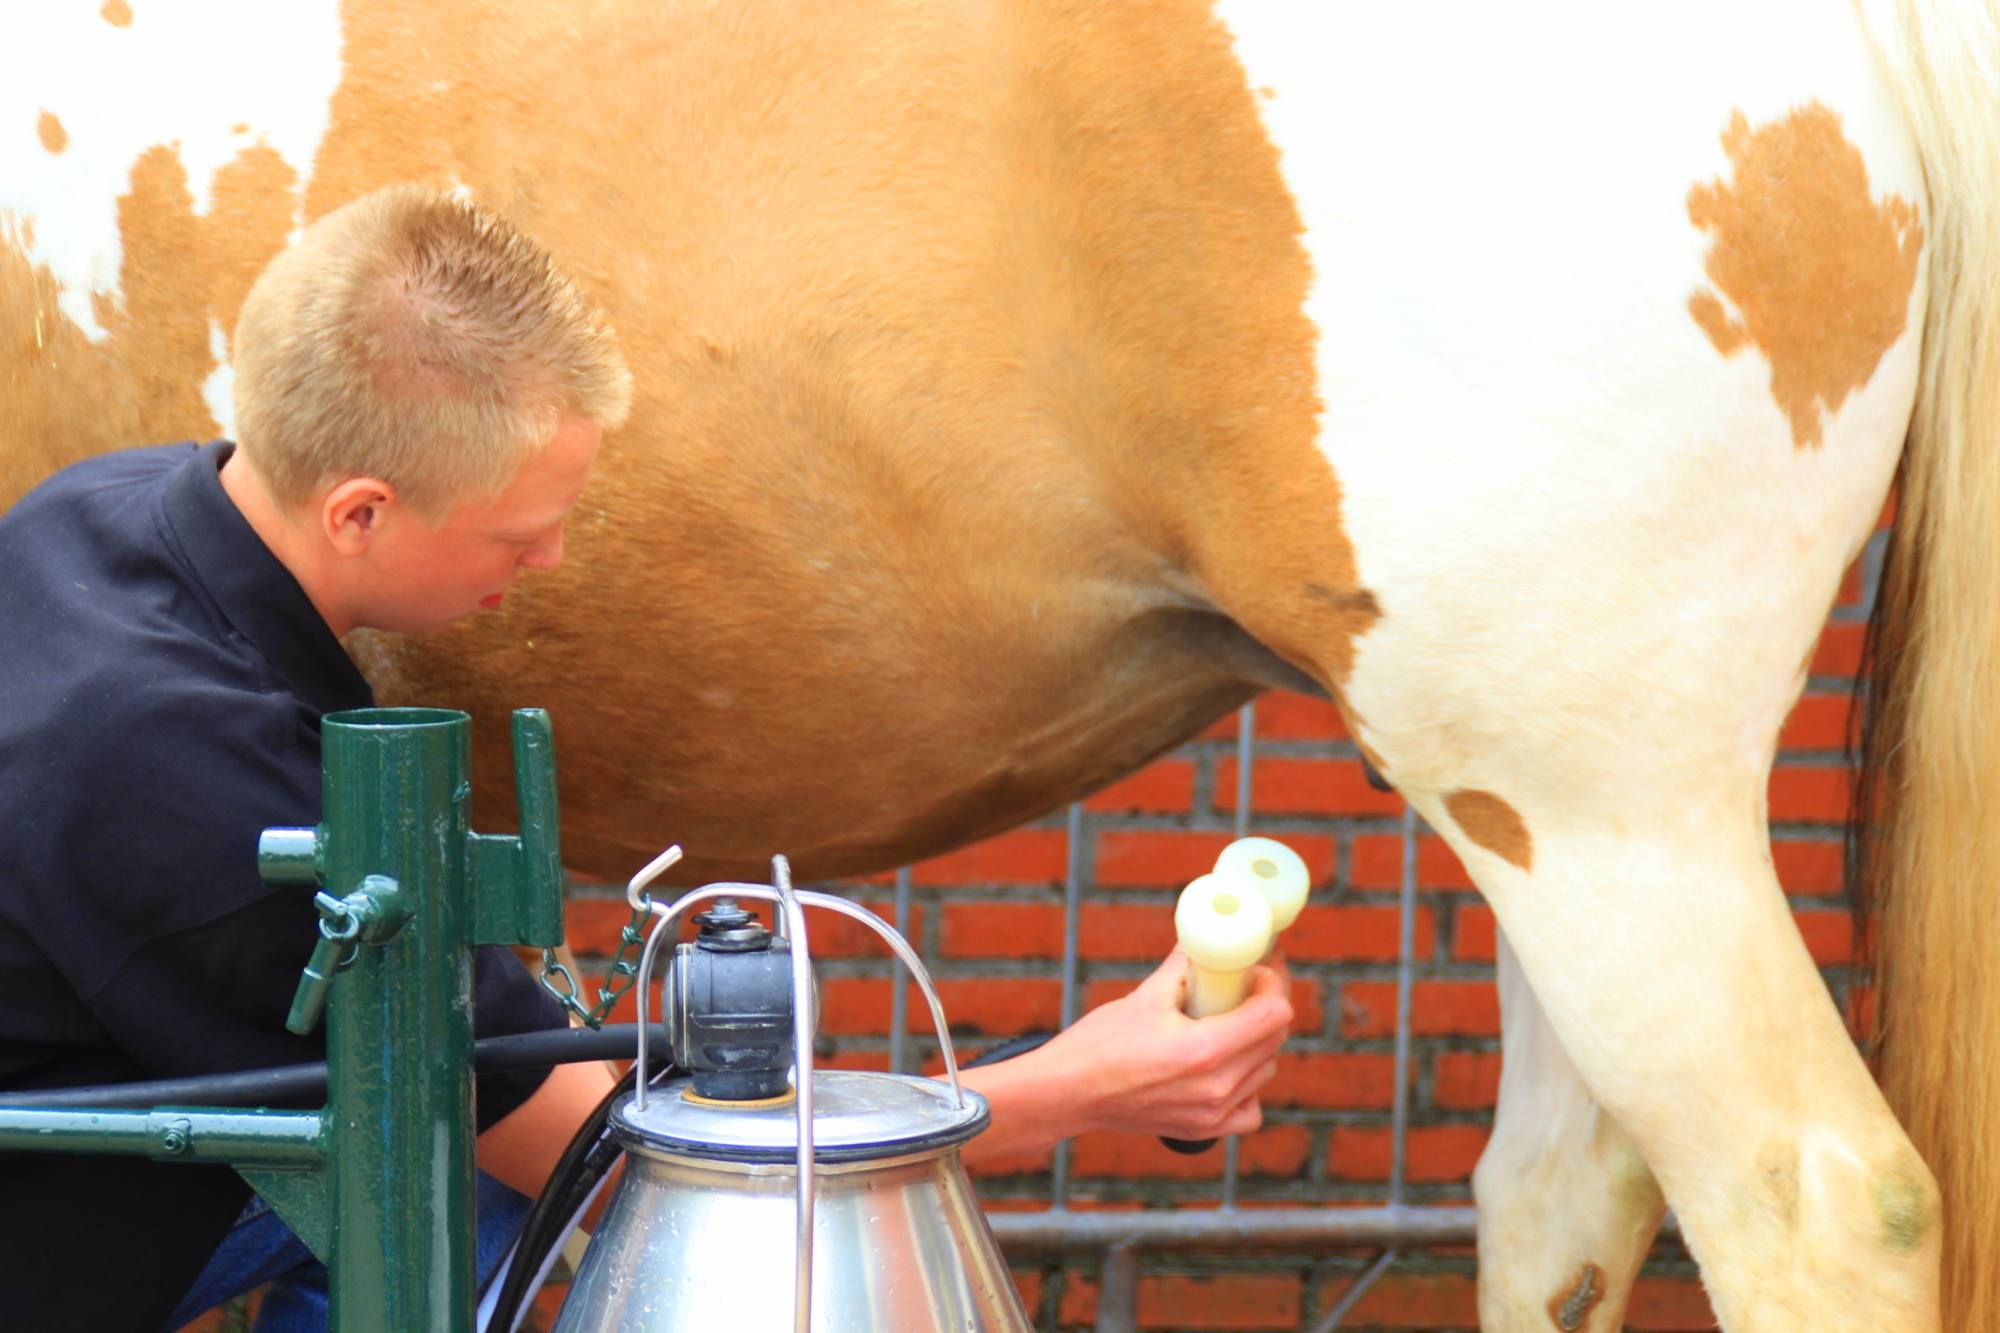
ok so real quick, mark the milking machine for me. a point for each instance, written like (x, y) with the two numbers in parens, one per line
(757, 1193)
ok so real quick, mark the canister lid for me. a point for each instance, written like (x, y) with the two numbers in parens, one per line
(857, 1116)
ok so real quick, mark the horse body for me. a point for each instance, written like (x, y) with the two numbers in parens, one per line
(1020, 387)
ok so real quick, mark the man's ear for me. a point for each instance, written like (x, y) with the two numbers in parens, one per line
(351, 514)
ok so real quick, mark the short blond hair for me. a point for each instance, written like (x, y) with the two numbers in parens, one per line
(413, 336)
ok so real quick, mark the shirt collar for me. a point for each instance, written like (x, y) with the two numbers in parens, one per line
(256, 593)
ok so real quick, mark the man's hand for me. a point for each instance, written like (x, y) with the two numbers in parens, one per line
(1139, 1064)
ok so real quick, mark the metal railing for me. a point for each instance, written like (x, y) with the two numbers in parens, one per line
(1121, 1237)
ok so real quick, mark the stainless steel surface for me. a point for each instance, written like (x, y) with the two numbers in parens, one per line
(689, 1245)
(888, 1236)
(855, 1115)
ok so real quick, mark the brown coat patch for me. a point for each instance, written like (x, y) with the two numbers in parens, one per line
(66, 397)
(1819, 273)
(1494, 825)
(51, 132)
(117, 13)
(1570, 1310)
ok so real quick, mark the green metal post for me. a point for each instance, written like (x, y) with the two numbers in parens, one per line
(399, 1025)
(379, 1184)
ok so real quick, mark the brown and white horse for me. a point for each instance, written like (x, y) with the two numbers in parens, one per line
(1022, 384)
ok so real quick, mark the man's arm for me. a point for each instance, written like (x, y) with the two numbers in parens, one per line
(1140, 1064)
(1136, 1064)
(522, 1148)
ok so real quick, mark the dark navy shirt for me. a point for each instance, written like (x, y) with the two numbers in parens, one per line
(162, 678)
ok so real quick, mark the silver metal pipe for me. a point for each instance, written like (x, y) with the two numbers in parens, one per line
(1399, 1131)
(803, 1025)
(1355, 1291)
(899, 1000)
(1246, 735)
(1118, 1290)
(1072, 899)
(901, 948)
(1060, 1231)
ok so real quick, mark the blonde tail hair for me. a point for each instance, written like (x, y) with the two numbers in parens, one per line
(1930, 776)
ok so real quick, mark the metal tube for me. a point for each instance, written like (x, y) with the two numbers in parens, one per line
(1355, 1291)
(802, 1057)
(1060, 1231)
(899, 1000)
(1118, 1290)
(1399, 1130)
(901, 948)
(1072, 899)
(253, 1140)
(1246, 735)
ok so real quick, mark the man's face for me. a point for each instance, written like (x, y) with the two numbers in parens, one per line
(423, 577)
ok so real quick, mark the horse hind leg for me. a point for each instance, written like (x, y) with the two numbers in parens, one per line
(1567, 1205)
(1663, 954)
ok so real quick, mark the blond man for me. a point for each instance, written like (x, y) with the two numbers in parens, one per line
(419, 394)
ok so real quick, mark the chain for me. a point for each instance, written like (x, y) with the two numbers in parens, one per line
(623, 971)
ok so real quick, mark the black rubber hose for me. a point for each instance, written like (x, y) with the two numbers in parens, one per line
(586, 1161)
(307, 1082)
(1008, 1049)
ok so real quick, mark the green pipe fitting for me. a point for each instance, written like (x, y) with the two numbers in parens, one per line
(290, 856)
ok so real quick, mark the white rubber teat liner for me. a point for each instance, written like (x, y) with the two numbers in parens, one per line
(1224, 924)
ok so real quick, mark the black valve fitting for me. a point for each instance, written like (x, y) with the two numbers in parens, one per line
(728, 1007)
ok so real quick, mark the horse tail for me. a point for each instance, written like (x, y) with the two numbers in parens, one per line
(1929, 777)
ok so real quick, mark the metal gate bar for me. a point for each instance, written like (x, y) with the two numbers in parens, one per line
(1061, 1232)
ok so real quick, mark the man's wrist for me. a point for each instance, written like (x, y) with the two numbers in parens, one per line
(1034, 1105)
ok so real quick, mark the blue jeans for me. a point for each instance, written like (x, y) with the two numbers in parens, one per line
(261, 1249)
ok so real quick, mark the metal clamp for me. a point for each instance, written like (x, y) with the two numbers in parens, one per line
(372, 914)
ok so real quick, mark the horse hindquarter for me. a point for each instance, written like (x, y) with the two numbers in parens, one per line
(1620, 324)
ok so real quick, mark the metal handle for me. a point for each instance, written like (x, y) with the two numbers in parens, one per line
(790, 914)
(668, 915)
(309, 1001)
